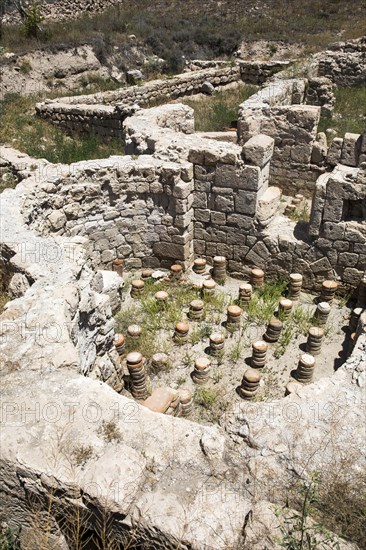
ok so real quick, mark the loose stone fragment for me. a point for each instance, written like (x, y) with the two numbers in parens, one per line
(118, 266)
(137, 288)
(138, 377)
(322, 313)
(285, 307)
(305, 369)
(120, 343)
(164, 400)
(273, 330)
(328, 291)
(217, 342)
(201, 372)
(292, 387)
(234, 315)
(134, 332)
(186, 401)
(208, 287)
(315, 339)
(199, 266)
(290, 209)
(159, 361)
(219, 268)
(196, 310)
(257, 277)
(181, 333)
(259, 354)
(245, 294)
(295, 285)
(249, 384)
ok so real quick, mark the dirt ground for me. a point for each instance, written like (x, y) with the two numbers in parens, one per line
(219, 393)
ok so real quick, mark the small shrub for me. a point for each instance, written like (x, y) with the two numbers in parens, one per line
(200, 333)
(82, 454)
(285, 338)
(236, 351)
(300, 214)
(110, 431)
(349, 112)
(217, 112)
(32, 19)
(25, 67)
(10, 538)
(265, 300)
(206, 397)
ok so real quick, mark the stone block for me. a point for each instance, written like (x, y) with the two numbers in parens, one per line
(246, 203)
(224, 203)
(218, 218)
(347, 259)
(351, 149)
(333, 231)
(258, 150)
(57, 219)
(238, 177)
(352, 276)
(335, 151)
(320, 266)
(239, 220)
(202, 215)
(333, 210)
(268, 205)
(182, 189)
(171, 250)
(200, 200)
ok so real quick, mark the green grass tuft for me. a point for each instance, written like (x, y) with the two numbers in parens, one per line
(213, 114)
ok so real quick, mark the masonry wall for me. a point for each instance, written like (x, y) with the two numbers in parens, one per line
(103, 113)
(344, 63)
(139, 210)
(186, 195)
(278, 111)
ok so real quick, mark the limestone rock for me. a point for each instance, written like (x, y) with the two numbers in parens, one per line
(268, 205)
(258, 150)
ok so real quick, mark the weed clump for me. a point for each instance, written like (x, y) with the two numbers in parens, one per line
(206, 397)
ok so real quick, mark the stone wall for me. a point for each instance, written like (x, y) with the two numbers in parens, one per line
(187, 194)
(259, 72)
(77, 331)
(103, 113)
(278, 111)
(49, 411)
(132, 209)
(344, 63)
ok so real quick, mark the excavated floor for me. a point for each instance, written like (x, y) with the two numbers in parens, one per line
(219, 394)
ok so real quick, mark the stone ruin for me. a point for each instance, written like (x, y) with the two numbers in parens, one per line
(175, 196)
